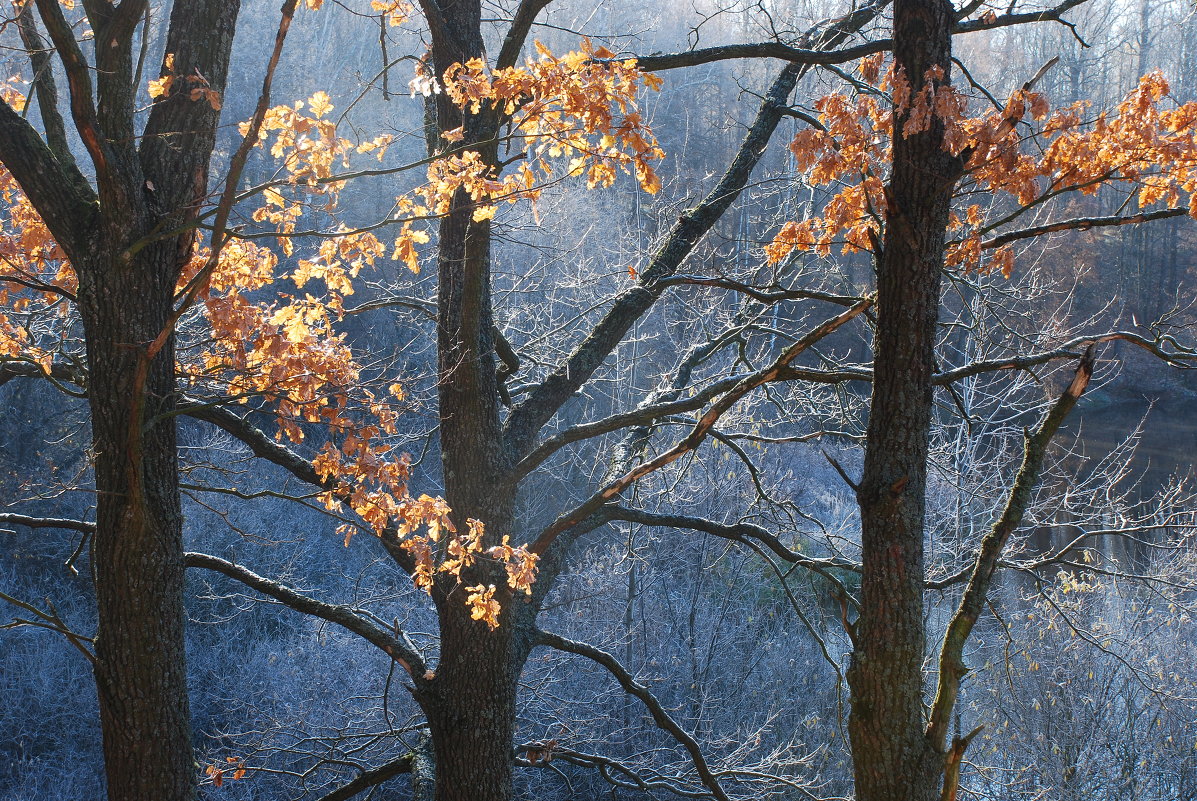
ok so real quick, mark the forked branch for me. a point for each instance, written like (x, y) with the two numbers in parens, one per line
(951, 658)
(632, 687)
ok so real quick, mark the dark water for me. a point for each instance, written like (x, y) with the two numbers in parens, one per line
(1167, 446)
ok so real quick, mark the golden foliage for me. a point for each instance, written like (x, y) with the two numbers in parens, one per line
(285, 351)
(1023, 152)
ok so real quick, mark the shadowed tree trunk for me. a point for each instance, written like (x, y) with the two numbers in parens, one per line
(127, 274)
(470, 701)
(893, 759)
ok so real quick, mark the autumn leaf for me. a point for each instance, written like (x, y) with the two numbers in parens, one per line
(483, 605)
(159, 87)
(319, 104)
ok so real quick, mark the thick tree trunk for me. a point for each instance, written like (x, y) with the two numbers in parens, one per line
(143, 183)
(893, 759)
(138, 554)
(470, 702)
(472, 712)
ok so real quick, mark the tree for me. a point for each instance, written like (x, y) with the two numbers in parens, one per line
(898, 751)
(111, 233)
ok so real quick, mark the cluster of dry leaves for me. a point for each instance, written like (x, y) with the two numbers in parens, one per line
(267, 344)
(1021, 156)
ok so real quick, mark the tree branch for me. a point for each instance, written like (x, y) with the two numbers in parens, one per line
(47, 522)
(265, 447)
(372, 778)
(646, 413)
(400, 650)
(951, 657)
(634, 688)
(1054, 14)
(823, 57)
(44, 86)
(51, 621)
(83, 107)
(259, 443)
(776, 50)
(762, 294)
(545, 399)
(1081, 224)
(59, 374)
(700, 431)
(517, 34)
(736, 532)
(58, 191)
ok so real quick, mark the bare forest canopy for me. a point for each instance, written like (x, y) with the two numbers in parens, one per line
(557, 400)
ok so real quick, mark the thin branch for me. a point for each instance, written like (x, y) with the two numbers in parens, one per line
(51, 621)
(646, 413)
(762, 294)
(951, 657)
(1082, 224)
(735, 532)
(397, 647)
(660, 716)
(823, 57)
(545, 399)
(700, 431)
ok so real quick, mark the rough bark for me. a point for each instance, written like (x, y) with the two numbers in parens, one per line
(127, 279)
(137, 557)
(470, 700)
(893, 759)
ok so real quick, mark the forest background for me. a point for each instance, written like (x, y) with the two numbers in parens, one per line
(722, 591)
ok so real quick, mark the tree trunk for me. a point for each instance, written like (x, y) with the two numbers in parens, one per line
(140, 668)
(144, 182)
(470, 703)
(471, 713)
(892, 757)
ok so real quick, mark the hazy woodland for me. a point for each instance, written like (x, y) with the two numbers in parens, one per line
(1081, 665)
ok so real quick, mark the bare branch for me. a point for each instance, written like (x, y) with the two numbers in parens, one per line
(397, 647)
(517, 34)
(700, 431)
(83, 106)
(823, 57)
(775, 50)
(646, 413)
(260, 443)
(47, 522)
(1082, 224)
(51, 621)
(545, 399)
(736, 532)
(635, 688)
(951, 657)
(371, 778)
(44, 86)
